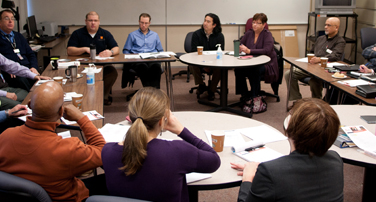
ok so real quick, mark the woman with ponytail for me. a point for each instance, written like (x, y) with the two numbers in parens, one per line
(152, 169)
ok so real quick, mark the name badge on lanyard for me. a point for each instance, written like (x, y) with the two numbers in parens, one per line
(17, 51)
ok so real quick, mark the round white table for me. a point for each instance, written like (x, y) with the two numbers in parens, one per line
(225, 176)
(350, 115)
(227, 62)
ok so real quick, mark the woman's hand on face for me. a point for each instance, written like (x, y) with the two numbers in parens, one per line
(173, 125)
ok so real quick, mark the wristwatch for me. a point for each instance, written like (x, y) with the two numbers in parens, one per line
(112, 52)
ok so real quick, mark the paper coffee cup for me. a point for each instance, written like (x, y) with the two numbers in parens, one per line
(218, 140)
(324, 62)
(58, 79)
(200, 49)
(77, 101)
(310, 56)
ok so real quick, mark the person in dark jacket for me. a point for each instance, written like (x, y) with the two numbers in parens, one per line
(208, 36)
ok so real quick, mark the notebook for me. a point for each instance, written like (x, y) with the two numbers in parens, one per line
(347, 67)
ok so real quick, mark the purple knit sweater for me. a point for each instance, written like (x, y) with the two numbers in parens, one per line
(162, 176)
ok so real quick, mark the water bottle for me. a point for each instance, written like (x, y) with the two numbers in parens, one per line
(90, 76)
(219, 52)
(93, 51)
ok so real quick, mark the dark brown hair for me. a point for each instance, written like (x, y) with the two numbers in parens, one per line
(3, 11)
(145, 109)
(260, 16)
(313, 126)
(145, 15)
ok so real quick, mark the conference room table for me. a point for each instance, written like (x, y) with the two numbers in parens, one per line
(322, 74)
(120, 59)
(92, 94)
(350, 116)
(225, 176)
(208, 59)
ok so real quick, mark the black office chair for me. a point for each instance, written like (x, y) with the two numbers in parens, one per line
(275, 85)
(13, 188)
(102, 198)
(367, 37)
(187, 48)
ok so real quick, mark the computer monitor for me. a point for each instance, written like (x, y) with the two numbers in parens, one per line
(32, 26)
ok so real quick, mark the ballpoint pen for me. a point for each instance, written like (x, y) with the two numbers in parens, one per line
(254, 148)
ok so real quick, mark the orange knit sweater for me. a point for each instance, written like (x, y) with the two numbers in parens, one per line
(33, 151)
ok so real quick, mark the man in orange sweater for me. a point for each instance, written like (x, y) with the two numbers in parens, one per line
(35, 152)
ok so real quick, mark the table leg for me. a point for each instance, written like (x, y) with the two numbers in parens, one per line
(223, 106)
(369, 184)
(288, 87)
(193, 194)
(169, 84)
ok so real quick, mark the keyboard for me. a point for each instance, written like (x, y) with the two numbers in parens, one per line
(47, 38)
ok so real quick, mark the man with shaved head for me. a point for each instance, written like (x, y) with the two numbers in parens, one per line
(331, 46)
(35, 152)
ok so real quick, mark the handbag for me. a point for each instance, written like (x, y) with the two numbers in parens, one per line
(254, 105)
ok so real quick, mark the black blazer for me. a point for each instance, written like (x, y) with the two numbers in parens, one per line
(297, 177)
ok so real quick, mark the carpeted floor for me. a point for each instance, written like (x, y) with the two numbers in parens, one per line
(274, 116)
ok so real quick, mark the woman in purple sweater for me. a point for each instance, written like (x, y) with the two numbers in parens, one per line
(257, 41)
(148, 168)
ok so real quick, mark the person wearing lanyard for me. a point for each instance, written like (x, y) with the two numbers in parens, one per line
(331, 46)
(15, 47)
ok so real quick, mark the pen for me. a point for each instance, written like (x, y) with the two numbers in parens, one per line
(255, 147)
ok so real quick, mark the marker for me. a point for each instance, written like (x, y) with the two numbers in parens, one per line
(254, 148)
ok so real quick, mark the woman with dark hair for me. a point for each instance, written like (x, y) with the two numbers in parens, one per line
(208, 36)
(152, 169)
(310, 172)
(256, 41)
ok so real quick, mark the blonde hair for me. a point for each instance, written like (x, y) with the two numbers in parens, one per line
(146, 108)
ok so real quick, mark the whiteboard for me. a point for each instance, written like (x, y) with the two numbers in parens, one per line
(111, 12)
(170, 12)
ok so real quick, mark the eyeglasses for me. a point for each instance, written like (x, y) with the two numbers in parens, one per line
(256, 23)
(7, 19)
(93, 21)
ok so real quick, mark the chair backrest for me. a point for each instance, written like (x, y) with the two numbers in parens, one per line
(188, 42)
(12, 186)
(101, 198)
(367, 36)
(248, 25)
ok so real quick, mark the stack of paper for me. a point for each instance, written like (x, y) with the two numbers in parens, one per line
(154, 55)
(103, 58)
(362, 137)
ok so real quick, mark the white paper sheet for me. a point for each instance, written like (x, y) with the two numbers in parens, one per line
(96, 70)
(355, 82)
(132, 57)
(362, 137)
(331, 64)
(232, 138)
(194, 177)
(92, 115)
(65, 134)
(103, 58)
(114, 132)
(263, 134)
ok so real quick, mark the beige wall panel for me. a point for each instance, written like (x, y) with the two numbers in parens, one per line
(370, 4)
(231, 33)
(366, 16)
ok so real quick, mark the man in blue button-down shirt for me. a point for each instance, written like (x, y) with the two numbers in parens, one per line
(143, 40)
